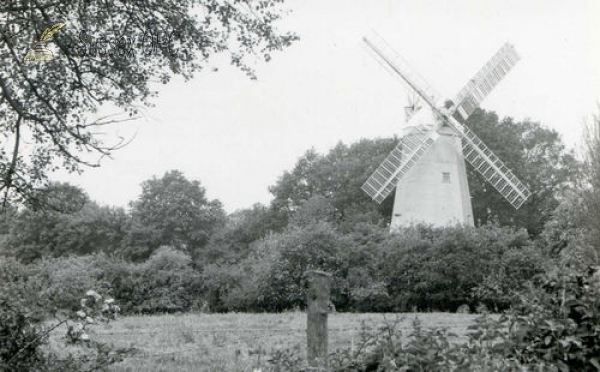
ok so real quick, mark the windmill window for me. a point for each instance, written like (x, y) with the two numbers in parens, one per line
(445, 177)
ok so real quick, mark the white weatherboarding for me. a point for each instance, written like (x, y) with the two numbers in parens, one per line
(427, 166)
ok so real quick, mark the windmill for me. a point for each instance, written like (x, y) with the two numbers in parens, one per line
(427, 166)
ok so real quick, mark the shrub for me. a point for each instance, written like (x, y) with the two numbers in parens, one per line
(66, 278)
(438, 268)
(312, 247)
(20, 339)
(558, 322)
(21, 287)
(554, 326)
(23, 345)
(249, 280)
(271, 277)
(166, 282)
(507, 275)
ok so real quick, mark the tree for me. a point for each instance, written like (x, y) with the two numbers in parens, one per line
(79, 227)
(591, 195)
(336, 177)
(178, 210)
(536, 155)
(233, 240)
(565, 234)
(110, 53)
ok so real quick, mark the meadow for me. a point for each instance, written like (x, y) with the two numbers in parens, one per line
(238, 342)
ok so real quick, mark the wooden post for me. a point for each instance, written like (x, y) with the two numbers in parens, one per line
(318, 306)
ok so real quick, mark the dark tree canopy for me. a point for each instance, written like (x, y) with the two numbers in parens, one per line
(337, 177)
(537, 156)
(178, 212)
(74, 225)
(591, 194)
(109, 53)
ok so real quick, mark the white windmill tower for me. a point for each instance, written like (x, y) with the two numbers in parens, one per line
(427, 167)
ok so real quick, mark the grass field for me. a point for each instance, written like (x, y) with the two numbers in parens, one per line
(236, 342)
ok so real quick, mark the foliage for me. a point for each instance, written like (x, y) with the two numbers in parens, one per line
(591, 195)
(171, 210)
(23, 341)
(101, 59)
(363, 284)
(20, 340)
(536, 155)
(315, 209)
(419, 267)
(554, 327)
(21, 287)
(337, 177)
(65, 279)
(178, 210)
(271, 277)
(439, 268)
(233, 240)
(506, 275)
(566, 236)
(166, 282)
(558, 322)
(74, 225)
(313, 247)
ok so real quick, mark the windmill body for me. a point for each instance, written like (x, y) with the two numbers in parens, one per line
(435, 190)
(427, 167)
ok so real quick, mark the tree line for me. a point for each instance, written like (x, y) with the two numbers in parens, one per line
(253, 259)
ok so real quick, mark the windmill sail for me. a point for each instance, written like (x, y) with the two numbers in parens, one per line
(469, 98)
(413, 146)
(393, 61)
(493, 169)
(408, 151)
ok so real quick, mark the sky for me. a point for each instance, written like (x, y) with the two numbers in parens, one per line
(237, 136)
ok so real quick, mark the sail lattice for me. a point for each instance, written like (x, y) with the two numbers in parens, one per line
(409, 150)
(469, 98)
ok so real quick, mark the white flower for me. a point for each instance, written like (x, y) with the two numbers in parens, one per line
(84, 337)
(89, 320)
(94, 294)
(83, 302)
(105, 308)
(81, 314)
(109, 301)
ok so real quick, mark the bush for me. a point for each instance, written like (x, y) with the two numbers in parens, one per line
(438, 268)
(555, 326)
(23, 345)
(21, 287)
(362, 284)
(507, 276)
(271, 277)
(422, 267)
(166, 282)
(300, 249)
(558, 322)
(20, 340)
(66, 278)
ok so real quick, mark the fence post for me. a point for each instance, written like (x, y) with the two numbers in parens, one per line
(318, 306)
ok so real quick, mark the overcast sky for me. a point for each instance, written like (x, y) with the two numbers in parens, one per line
(237, 136)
